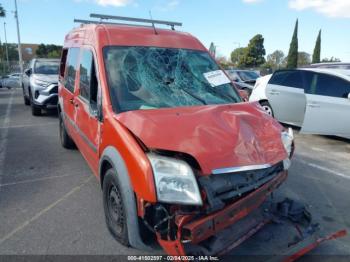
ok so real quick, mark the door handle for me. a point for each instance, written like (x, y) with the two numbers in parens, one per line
(71, 101)
(313, 105)
(274, 92)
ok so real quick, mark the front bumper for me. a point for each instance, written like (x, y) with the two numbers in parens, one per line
(218, 233)
(46, 97)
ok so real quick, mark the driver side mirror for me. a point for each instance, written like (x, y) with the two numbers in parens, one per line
(28, 72)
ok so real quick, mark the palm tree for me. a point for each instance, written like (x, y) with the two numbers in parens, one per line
(2, 11)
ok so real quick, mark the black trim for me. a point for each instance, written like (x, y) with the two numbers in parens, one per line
(81, 133)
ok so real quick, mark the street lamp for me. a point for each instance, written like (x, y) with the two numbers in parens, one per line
(19, 41)
(7, 52)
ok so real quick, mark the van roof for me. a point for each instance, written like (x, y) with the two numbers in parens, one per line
(124, 35)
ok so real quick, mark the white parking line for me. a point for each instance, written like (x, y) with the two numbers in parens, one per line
(326, 169)
(29, 125)
(33, 180)
(43, 211)
(3, 135)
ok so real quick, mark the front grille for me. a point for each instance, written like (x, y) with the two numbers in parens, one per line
(222, 189)
(54, 90)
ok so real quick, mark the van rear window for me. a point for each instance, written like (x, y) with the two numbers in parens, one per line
(152, 78)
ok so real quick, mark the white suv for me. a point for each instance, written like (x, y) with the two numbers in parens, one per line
(318, 100)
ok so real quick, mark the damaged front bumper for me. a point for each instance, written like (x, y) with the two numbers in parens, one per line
(219, 232)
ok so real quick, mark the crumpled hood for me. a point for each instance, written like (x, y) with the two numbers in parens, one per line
(216, 136)
(52, 79)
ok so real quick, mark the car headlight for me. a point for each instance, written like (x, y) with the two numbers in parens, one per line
(175, 181)
(287, 138)
(40, 83)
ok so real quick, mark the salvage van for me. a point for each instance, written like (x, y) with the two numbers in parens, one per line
(182, 160)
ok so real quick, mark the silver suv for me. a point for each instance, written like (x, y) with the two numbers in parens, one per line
(40, 84)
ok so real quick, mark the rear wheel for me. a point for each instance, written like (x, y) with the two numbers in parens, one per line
(267, 107)
(66, 140)
(114, 208)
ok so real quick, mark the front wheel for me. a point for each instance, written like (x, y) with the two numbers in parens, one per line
(267, 107)
(114, 208)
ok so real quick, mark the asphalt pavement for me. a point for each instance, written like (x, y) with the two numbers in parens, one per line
(50, 202)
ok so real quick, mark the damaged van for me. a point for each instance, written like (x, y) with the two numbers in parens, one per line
(182, 160)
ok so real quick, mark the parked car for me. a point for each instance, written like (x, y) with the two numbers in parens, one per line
(40, 84)
(11, 81)
(180, 158)
(331, 65)
(247, 77)
(318, 100)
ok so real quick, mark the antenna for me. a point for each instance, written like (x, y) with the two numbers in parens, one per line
(154, 27)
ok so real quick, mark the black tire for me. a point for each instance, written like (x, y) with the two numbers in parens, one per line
(114, 208)
(66, 141)
(25, 98)
(267, 107)
(36, 111)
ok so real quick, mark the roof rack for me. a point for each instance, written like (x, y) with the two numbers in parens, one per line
(127, 19)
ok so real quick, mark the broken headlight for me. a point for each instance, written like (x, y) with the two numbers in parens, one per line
(175, 181)
(287, 138)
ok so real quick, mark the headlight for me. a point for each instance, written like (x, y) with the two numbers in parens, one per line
(175, 181)
(287, 138)
(40, 83)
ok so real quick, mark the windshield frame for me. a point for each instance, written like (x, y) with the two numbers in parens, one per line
(115, 103)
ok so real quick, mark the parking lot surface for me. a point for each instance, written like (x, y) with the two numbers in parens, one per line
(50, 202)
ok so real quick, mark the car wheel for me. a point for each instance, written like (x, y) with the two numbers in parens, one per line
(25, 98)
(114, 208)
(66, 141)
(36, 111)
(267, 107)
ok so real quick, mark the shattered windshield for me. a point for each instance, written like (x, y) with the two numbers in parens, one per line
(152, 78)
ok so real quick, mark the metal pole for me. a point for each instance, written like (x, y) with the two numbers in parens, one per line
(19, 42)
(7, 52)
(2, 59)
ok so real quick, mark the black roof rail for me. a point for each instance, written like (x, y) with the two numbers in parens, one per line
(126, 19)
(136, 20)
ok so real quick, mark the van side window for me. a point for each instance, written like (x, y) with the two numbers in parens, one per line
(88, 79)
(63, 62)
(71, 68)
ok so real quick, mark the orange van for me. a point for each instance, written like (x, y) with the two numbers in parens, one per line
(182, 160)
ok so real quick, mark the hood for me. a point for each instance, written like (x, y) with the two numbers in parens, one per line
(52, 79)
(216, 136)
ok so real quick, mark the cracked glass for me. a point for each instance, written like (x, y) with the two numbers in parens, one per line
(153, 78)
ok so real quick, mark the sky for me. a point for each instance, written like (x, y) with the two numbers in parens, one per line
(227, 23)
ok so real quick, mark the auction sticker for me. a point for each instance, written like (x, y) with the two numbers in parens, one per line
(216, 78)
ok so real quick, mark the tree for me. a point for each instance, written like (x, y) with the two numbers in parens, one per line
(2, 11)
(275, 60)
(329, 60)
(41, 51)
(292, 61)
(316, 57)
(254, 53)
(237, 55)
(54, 54)
(304, 59)
(48, 51)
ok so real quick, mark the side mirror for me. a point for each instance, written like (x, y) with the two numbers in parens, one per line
(244, 94)
(28, 72)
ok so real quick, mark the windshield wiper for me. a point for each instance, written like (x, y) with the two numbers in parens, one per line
(195, 97)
